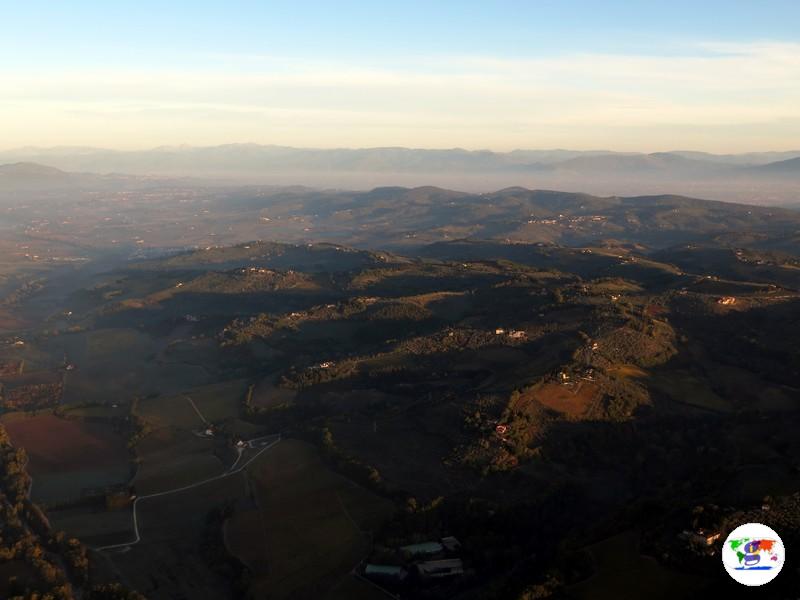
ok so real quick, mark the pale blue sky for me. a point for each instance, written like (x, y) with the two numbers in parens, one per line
(710, 75)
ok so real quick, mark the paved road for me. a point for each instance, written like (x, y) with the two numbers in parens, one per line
(228, 473)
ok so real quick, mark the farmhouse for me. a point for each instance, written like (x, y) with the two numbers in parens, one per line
(423, 549)
(451, 544)
(385, 572)
(119, 498)
(700, 538)
(436, 569)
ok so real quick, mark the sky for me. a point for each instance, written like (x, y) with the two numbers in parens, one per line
(719, 76)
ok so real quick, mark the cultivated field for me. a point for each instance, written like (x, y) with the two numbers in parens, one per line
(169, 561)
(621, 572)
(309, 529)
(68, 455)
(573, 401)
(170, 459)
(267, 395)
(93, 524)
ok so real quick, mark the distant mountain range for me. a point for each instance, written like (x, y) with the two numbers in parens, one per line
(790, 167)
(769, 177)
(237, 160)
(31, 172)
(22, 176)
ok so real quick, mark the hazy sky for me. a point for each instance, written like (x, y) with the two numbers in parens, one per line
(624, 75)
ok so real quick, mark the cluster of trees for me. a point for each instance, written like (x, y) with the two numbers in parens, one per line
(621, 397)
(244, 331)
(454, 340)
(32, 396)
(440, 343)
(489, 451)
(139, 428)
(263, 325)
(294, 379)
(111, 591)
(348, 465)
(14, 480)
(24, 291)
(783, 516)
(644, 343)
(247, 281)
(427, 277)
(399, 311)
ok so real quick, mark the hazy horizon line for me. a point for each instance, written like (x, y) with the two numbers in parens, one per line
(73, 147)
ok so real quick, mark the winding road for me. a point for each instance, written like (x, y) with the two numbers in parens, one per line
(232, 471)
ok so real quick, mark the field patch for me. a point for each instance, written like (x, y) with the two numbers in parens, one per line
(268, 395)
(310, 528)
(573, 401)
(219, 401)
(195, 407)
(68, 455)
(176, 452)
(9, 321)
(622, 572)
(627, 370)
(109, 364)
(170, 459)
(169, 561)
(409, 449)
(683, 387)
(93, 525)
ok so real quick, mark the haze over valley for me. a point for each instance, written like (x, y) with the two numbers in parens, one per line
(768, 178)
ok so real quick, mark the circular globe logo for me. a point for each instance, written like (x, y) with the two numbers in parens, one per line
(753, 554)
